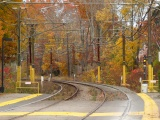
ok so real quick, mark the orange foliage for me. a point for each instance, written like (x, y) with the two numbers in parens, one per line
(133, 79)
(82, 11)
(1, 33)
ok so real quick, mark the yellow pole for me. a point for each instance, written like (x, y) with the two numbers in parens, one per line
(124, 75)
(30, 69)
(19, 75)
(152, 73)
(33, 75)
(150, 76)
(99, 74)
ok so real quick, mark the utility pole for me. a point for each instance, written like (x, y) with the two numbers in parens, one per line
(68, 57)
(124, 61)
(132, 22)
(19, 48)
(27, 67)
(51, 63)
(73, 59)
(30, 58)
(31, 51)
(98, 54)
(19, 44)
(149, 49)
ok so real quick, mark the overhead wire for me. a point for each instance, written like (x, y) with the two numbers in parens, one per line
(139, 28)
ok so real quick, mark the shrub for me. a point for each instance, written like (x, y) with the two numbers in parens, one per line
(133, 79)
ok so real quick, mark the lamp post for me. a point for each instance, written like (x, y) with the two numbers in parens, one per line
(2, 58)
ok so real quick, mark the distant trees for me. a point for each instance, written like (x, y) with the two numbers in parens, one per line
(67, 36)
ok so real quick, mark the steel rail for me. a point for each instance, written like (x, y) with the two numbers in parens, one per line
(96, 3)
(91, 85)
(99, 105)
(52, 94)
(74, 94)
(126, 111)
(70, 97)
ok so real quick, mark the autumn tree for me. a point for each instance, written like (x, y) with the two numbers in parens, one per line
(8, 21)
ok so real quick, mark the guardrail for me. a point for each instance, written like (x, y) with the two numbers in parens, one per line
(149, 86)
(27, 85)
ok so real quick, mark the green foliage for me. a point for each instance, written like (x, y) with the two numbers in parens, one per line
(9, 85)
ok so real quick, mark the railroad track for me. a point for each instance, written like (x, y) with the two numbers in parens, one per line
(102, 88)
(53, 94)
(123, 91)
(19, 106)
(74, 84)
(90, 85)
(126, 111)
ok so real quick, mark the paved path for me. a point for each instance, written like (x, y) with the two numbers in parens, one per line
(143, 107)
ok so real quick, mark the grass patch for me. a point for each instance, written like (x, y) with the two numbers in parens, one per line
(93, 92)
(9, 86)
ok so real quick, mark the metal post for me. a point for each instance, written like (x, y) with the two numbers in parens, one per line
(30, 59)
(124, 62)
(149, 48)
(2, 58)
(31, 52)
(144, 66)
(51, 63)
(19, 48)
(98, 54)
(27, 66)
(73, 59)
(2, 87)
(132, 23)
(68, 57)
(33, 67)
(144, 72)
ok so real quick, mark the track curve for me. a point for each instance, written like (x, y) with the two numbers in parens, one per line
(49, 96)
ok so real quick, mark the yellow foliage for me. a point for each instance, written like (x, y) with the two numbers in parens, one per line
(1, 33)
(62, 67)
(59, 48)
(89, 76)
(119, 41)
(125, 11)
(103, 15)
(45, 66)
(116, 56)
(50, 34)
